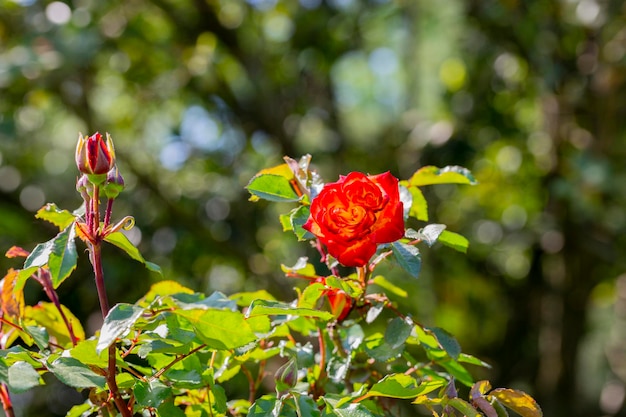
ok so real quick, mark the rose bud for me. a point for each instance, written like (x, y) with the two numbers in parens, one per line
(114, 183)
(95, 157)
(355, 214)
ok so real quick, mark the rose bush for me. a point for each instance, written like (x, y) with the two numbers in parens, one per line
(355, 214)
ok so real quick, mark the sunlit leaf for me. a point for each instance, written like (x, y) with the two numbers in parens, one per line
(12, 297)
(430, 175)
(117, 323)
(243, 299)
(408, 257)
(39, 334)
(301, 269)
(419, 206)
(464, 407)
(163, 288)
(377, 347)
(219, 329)
(457, 371)
(430, 233)
(58, 217)
(447, 342)
(22, 377)
(151, 393)
(349, 410)
(120, 240)
(297, 219)
(272, 187)
(395, 386)
(465, 358)
(63, 257)
(76, 374)
(47, 314)
(518, 401)
(85, 351)
(386, 285)
(269, 307)
(454, 240)
(398, 330)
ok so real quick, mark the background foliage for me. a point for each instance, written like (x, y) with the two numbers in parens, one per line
(201, 94)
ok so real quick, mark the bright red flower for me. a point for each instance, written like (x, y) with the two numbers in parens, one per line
(353, 215)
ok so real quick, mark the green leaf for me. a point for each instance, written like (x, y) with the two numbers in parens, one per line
(408, 257)
(386, 285)
(419, 207)
(269, 307)
(117, 323)
(395, 386)
(39, 335)
(311, 295)
(430, 233)
(350, 410)
(454, 241)
(398, 330)
(301, 268)
(447, 342)
(297, 218)
(120, 240)
(76, 374)
(430, 175)
(305, 406)
(379, 349)
(273, 188)
(216, 300)
(152, 393)
(518, 401)
(464, 407)
(85, 352)
(81, 410)
(51, 213)
(263, 407)
(457, 370)
(465, 358)
(22, 377)
(168, 409)
(219, 329)
(63, 257)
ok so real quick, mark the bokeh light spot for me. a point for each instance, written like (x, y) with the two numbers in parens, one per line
(58, 13)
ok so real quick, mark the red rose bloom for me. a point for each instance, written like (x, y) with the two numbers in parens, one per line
(353, 215)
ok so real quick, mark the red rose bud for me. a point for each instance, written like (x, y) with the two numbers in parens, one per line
(95, 157)
(114, 183)
(355, 214)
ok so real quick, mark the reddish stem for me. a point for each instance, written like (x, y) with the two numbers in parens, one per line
(5, 398)
(107, 213)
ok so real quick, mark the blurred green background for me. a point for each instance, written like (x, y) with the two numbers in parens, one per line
(201, 94)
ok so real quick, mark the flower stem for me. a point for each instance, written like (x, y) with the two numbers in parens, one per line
(5, 398)
(95, 251)
(107, 213)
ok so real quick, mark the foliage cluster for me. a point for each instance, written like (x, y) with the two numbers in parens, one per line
(174, 351)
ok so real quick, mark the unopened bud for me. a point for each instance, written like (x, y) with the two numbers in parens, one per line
(114, 183)
(84, 187)
(95, 156)
(287, 375)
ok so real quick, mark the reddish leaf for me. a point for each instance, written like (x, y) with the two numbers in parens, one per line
(16, 251)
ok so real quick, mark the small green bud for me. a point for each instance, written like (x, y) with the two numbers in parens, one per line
(114, 183)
